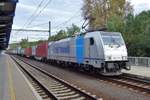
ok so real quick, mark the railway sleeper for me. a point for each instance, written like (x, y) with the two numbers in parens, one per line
(62, 91)
(69, 97)
(56, 87)
(66, 94)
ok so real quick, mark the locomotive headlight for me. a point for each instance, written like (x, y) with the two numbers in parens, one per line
(124, 57)
(108, 57)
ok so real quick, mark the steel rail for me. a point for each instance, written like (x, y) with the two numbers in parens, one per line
(84, 94)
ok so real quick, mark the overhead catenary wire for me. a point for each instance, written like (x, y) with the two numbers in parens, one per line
(68, 20)
(61, 24)
(33, 19)
(42, 24)
(35, 30)
(33, 14)
(75, 22)
(29, 30)
(36, 16)
(35, 1)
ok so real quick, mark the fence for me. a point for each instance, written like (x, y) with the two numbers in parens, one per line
(139, 61)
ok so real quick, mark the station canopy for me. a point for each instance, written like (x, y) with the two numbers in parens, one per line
(7, 13)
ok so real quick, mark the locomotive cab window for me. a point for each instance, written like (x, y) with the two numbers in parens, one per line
(91, 41)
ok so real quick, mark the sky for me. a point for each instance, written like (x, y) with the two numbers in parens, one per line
(61, 13)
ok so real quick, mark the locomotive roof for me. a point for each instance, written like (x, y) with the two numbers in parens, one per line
(84, 34)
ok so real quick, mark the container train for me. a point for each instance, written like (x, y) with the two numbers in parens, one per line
(99, 51)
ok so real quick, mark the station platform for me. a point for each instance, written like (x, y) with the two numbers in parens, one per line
(139, 70)
(13, 84)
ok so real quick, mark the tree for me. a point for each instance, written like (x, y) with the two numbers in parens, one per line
(33, 43)
(24, 43)
(136, 33)
(13, 45)
(115, 24)
(60, 35)
(72, 30)
(99, 12)
(64, 34)
(94, 12)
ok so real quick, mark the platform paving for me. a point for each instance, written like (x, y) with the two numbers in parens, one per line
(139, 70)
(13, 84)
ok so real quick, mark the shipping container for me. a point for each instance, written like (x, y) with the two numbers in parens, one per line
(28, 52)
(42, 50)
(22, 52)
(33, 50)
(18, 50)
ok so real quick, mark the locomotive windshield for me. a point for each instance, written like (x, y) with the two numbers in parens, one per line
(112, 39)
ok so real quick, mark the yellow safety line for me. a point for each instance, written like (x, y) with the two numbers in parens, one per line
(11, 85)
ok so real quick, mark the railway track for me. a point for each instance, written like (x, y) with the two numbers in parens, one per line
(51, 87)
(130, 82)
(137, 77)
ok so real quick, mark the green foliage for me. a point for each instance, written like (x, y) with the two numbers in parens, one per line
(115, 24)
(136, 32)
(64, 34)
(117, 15)
(13, 45)
(40, 41)
(139, 27)
(98, 12)
(72, 30)
(33, 43)
(24, 43)
(60, 35)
